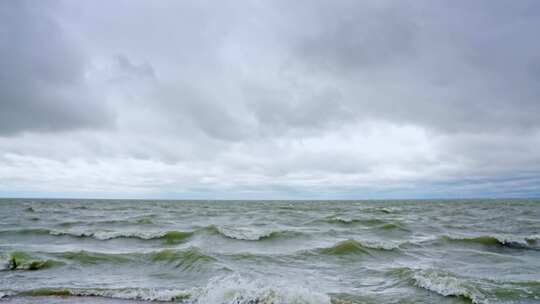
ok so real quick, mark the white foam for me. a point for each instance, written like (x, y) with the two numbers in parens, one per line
(243, 233)
(373, 244)
(145, 294)
(231, 289)
(504, 239)
(108, 235)
(242, 290)
(447, 285)
(6, 293)
(343, 219)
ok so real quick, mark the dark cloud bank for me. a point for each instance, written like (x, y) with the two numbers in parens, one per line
(270, 99)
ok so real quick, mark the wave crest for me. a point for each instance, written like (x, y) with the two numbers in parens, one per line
(242, 290)
(527, 242)
(142, 294)
(341, 220)
(249, 234)
(190, 259)
(357, 247)
(169, 237)
(476, 290)
(88, 257)
(228, 289)
(446, 284)
(22, 261)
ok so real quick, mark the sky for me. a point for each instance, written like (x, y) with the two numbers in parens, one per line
(263, 99)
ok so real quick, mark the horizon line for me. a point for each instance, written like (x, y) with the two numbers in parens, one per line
(278, 199)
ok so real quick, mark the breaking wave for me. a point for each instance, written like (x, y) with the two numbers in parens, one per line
(171, 237)
(341, 220)
(528, 242)
(227, 289)
(188, 259)
(249, 234)
(22, 261)
(446, 284)
(348, 221)
(478, 291)
(141, 294)
(371, 222)
(243, 290)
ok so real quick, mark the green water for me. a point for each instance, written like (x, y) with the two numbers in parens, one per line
(247, 252)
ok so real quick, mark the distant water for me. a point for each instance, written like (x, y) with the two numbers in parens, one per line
(248, 252)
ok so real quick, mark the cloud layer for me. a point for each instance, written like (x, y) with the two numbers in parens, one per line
(270, 99)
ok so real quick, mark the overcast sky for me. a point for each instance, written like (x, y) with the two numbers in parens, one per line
(270, 99)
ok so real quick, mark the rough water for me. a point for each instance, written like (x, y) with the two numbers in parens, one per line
(248, 252)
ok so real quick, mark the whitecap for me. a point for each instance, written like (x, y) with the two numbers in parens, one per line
(384, 245)
(244, 233)
(144, 294)
(243, 290)
(446, 284)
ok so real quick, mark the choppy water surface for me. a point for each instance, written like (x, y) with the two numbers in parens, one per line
(103, 251)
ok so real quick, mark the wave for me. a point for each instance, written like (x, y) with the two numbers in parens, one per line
(393, 226)
(188, 259)
(144, 221)
(140, 294)
(22, 261)
(185, 259)
(249, 234)
(527, 242)
(227, 289)
(139, 220)
(88, 257)
(372, 222)
(447, 284)
(442, 283)
(384, 210)
(357, 247)
(348, 221)
(29, 209)
(5, 294)
(478, 291)
(169, 237)
(36, 231)
(381, 245)
(341, 220)
(245, 290)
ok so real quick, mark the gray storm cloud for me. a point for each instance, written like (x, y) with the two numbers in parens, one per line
(271, 98)
(42, 85)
